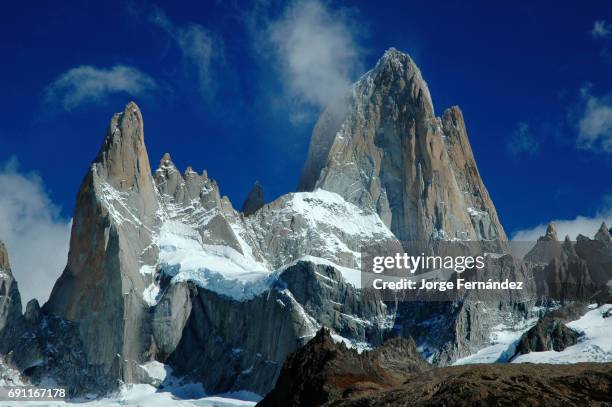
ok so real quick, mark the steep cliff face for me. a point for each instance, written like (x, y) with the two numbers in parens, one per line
(162, 267)
(392, 154)
(254, 200)
(113, 224)
(10, 303)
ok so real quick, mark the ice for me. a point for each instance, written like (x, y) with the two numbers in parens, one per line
(219, 268)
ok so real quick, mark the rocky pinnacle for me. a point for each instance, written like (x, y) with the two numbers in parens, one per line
(254, 200)
(113, 223)
(392, 154)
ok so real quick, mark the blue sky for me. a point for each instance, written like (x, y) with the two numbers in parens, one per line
(235, 88)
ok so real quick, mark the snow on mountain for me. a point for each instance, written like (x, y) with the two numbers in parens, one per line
(147, 395)
(319, 226)
(503, 339)
(593, 346)
(222, 269)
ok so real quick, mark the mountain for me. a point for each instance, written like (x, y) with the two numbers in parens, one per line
(391, 154)
(10, 303)
(163, 268)
(164, 274)
(254, 200)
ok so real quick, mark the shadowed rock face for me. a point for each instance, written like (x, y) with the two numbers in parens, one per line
(254, 200)
(548, 334)
(229, 345)
(10, 302)
(323, 371)
(391, 153)
(547, 247)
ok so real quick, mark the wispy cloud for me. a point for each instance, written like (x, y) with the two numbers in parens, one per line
(201, 50)
(316, 50)
(88, 84)
(595, 122)
(601, 30)
(584, 225)
(523, 141)
(36, 236)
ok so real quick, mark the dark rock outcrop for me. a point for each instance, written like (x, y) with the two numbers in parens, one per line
(581, 384)
(325, 373)
(254, 200)
(324, 370)
(549, 333)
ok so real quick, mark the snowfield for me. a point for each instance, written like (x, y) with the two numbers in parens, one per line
(330, 227)
(144, 395)
(173, 394)
(218, 268)
(594, 345)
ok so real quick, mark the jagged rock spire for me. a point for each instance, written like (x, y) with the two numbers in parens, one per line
(123, 158)
(4, 260)
(113, 224)
(254, 200)
(392, 154)
(10, 302)
(603, 234)
(551, 233)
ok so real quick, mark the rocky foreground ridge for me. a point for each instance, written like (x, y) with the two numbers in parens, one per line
(163, 269)
(324, 373)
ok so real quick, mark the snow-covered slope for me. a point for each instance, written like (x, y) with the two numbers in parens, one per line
(594, 345)
(219, 249)
(149, 396)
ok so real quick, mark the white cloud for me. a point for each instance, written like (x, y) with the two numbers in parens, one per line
(595, 124)
(601, 29)
(89, 84)
(584, 225)
(523, 140)
(35, 235)
(199, 47)
(315, 49)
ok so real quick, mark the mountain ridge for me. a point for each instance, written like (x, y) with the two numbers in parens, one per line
(163, 269)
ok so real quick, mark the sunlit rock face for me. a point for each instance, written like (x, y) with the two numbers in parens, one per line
(392, 154)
